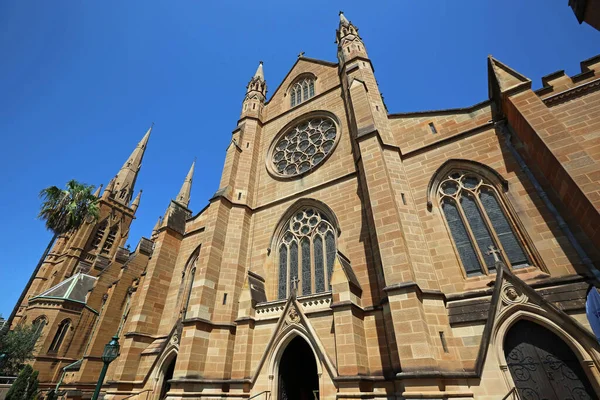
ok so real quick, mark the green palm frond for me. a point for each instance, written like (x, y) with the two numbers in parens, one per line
(65, 210)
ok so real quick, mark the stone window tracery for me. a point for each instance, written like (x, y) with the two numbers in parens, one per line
(477, 220)
(306, 251)
(302, 90)
(303, 146)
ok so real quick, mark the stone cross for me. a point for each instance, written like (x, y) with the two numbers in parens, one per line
(301, 54)
(494, 252)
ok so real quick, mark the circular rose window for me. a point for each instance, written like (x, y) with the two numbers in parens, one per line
(303, 146)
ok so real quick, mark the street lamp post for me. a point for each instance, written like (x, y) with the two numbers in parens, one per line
(111, 351)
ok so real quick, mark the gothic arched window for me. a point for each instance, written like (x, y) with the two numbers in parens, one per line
(306, 253)
(110, 239)
(99, 235)
(61, 332)
(302, 90)
(187, 282)
(478, 220)
(38, 326)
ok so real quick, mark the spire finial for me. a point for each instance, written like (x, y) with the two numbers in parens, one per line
(183, 197)
(259, 72)
(136, 202)
(343, 19)
(98, 190)
(125, 179)
(110, 187)
(157, 225)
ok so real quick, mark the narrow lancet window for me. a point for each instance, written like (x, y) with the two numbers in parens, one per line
(61, 332)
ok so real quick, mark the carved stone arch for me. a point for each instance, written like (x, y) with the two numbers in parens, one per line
(278, 350)
(168, 355)
(301, 203)
(589, 359)
(490, 174)
(190, 260)
(281, 342)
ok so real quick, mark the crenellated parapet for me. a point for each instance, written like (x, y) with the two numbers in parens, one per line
(558, 87)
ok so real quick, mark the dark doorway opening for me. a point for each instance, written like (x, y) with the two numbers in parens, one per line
(543, 366)
(298, 379)
(168, 375)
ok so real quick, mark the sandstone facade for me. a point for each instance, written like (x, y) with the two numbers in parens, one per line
(394, 297)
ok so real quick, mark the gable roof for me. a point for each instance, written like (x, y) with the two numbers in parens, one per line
(307, 59)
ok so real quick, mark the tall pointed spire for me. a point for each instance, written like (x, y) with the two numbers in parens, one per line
(136, 202)
(183, 197)
(256, 94)
(343, 20)
(349, 43)
(259, 72)
(125, 180)
(98, 190)
(257, 83)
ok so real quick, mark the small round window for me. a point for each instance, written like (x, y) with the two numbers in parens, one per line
(303, 146)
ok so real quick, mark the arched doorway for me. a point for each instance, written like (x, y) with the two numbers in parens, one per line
(298, 378)
(543, 366)
(168, 375)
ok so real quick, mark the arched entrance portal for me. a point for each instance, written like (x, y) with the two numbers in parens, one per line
(168, 375)
(543, 366)
(298, 379)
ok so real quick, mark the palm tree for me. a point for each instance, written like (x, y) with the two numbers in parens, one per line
(64, 210)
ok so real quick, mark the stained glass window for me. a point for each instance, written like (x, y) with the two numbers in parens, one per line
(477, 222)
(330, 254)
(311, 264)
(306, 270)
(319, 270)
(283, 264)
(303, 146)
(302, 90)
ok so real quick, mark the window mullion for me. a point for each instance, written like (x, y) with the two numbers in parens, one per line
(491, 229)
(474, 243)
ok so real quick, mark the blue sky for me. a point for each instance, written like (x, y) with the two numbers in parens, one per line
(81, 81)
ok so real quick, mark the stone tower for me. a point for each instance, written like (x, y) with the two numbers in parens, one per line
(90, 249)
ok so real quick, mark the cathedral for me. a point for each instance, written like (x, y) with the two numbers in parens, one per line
(349, 252)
